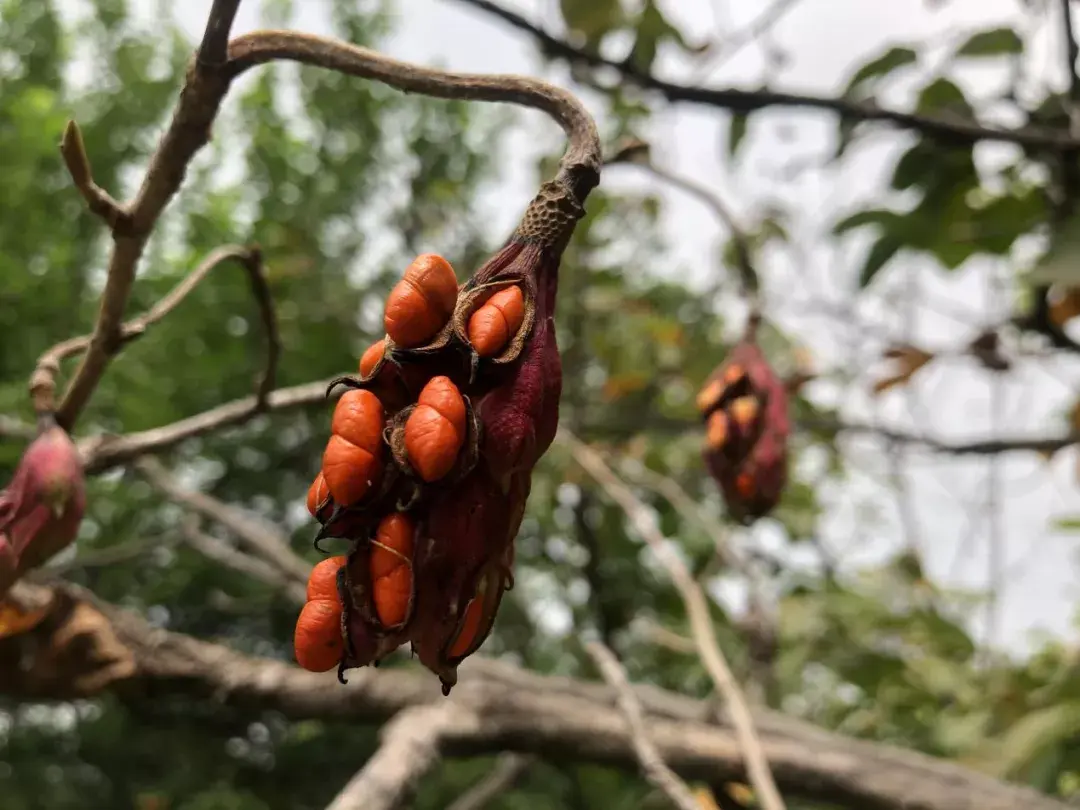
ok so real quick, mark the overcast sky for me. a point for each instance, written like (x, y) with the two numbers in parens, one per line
(946, 510)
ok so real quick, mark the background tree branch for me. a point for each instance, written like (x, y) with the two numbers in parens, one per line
(119, 653)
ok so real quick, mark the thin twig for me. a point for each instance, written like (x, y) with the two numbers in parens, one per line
(101, 453)
(189, 131)
(254, 532)
(12, 428)
(508, 769)
(635, 153)
(221, 552)
(43, 380)
(953, 128)
(409, 749)
(727, 48)
(697, 609)
(98, 200)
(653, 766)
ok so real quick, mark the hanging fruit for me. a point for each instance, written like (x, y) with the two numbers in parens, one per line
(428, 467)
(744, 406)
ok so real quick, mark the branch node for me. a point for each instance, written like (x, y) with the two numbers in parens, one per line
(98, 200)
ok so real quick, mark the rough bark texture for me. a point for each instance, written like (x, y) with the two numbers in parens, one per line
(83, 648)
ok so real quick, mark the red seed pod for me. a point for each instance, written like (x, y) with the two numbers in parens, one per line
(471, 404)
(465, 569)
(42, 507)
(745, 408)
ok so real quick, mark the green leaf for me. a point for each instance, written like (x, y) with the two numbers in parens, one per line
(1035, 734)
(592, 18)
(1061, 263)
(652, 29)
(994, 42)
(942, 95)
(1068, 524)
(892, 59)
(860, 219)
(918, 162)
(883, 250)
(736, 132)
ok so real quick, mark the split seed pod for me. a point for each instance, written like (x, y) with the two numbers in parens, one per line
(744, 405)
(468, 381)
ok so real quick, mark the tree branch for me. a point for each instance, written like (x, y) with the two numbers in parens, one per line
(656, 771)
(98, 200)
(636, 153)
(953, 128)
(100, 453)
(203, 91)
(208, 79)
(221, 552)
(509, 768)
(43, 379)
(119, 653)
(409, 749)
(697, 609)
(580, 164)
(261, 538)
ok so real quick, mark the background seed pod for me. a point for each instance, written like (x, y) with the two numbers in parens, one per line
(744, 405)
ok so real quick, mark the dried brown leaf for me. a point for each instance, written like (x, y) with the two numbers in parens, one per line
(908, 360)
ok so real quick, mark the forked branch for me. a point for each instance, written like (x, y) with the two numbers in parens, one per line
(208, 79)
(43, 380)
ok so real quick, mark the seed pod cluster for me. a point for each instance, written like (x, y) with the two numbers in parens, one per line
(744, 406)
(432, 444)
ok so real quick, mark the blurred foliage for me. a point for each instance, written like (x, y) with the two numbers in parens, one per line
(341, 183)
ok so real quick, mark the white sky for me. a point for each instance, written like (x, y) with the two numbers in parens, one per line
(825, 40)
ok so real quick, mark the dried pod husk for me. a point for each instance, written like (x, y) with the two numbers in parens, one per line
(42, 507)
(467, 457)
(465, 557)
(518, 273)
(745, 407)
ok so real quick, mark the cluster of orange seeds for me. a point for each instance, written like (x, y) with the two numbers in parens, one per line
(403, 433)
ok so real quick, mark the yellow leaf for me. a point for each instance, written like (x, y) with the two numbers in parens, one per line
(705, 798)
(14, 620)
(740, 793)
(908, 359)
